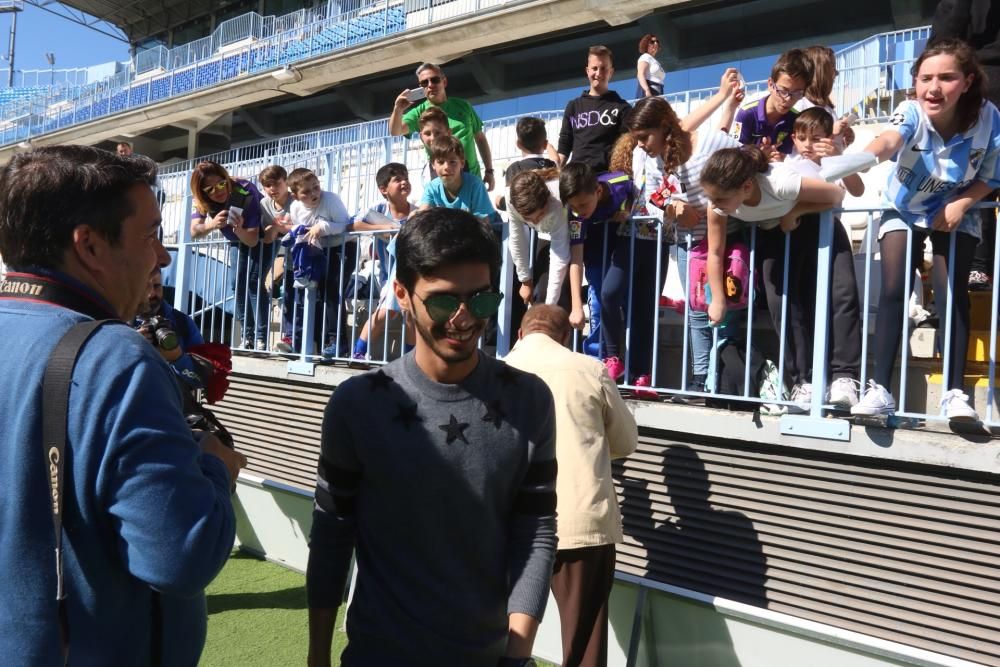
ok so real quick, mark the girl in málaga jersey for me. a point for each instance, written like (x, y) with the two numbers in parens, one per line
(946, 148)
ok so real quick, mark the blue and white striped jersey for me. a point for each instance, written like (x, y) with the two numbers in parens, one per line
(930, 172)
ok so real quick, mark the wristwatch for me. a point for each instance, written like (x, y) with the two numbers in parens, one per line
(516, 662)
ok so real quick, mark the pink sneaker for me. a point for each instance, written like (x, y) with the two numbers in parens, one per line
(644, 381)
(616, 369)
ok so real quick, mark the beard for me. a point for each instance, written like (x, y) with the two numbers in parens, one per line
(434, 336)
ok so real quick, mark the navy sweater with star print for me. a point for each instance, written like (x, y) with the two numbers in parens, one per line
(447, 494)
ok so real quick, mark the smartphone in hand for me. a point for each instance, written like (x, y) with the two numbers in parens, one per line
(416, 95)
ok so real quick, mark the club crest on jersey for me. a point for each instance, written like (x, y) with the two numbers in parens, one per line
(976, 158)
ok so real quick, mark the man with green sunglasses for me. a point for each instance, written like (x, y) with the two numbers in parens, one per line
(440, 468)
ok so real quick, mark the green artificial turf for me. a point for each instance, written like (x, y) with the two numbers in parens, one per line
(257, 615)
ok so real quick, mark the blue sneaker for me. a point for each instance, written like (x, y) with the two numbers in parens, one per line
(331, 351)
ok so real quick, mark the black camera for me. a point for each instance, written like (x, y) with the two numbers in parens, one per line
(162, 331)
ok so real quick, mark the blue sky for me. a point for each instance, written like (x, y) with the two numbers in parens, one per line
(39, 32)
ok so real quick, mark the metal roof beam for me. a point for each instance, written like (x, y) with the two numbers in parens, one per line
(80, 18)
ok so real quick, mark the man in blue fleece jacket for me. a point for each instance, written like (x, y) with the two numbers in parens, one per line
(440, 470)
(147, 518)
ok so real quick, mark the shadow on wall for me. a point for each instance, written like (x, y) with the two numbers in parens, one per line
(675, 535)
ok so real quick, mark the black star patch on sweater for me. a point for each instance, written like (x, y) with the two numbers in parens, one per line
(406, 414)
(455, 430)
(378, 380)
(494, 413)
(508, 375)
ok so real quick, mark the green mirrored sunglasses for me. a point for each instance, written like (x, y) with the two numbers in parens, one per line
(442, 307)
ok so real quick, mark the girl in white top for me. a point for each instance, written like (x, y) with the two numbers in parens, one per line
(740, 182)
(649, 72)
(534, 201)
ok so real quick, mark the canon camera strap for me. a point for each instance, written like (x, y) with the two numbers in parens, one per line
(33, 287)
(55, 406)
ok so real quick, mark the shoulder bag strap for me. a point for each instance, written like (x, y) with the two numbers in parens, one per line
(55, 405)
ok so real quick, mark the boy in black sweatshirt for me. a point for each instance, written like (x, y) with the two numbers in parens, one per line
(592, 122)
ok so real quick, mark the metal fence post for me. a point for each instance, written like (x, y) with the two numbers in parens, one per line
(814, 425)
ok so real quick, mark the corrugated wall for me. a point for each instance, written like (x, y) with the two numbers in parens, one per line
(904, 553)
(897, 551)
(277, 424)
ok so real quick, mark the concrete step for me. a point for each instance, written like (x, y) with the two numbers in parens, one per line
(923, 345)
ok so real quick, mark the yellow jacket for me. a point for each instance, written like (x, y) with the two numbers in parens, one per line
(593, 426)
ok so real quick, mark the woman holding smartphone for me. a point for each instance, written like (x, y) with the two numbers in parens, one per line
(231, 206)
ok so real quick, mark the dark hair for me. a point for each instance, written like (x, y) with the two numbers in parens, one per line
(531, 134)
(969, 104)
(729, 168)
(655, 113)
(814, 118)
(201, 171)
(444, 147)
(272, 174)
(550, 320)
(45, 193)
(433, 115)
(644, 42)
(386, 173)
(794, 63)
(441, 237)
(298, 178)
(824, 71)
(576, 177)
(601, 51)
(528, 190)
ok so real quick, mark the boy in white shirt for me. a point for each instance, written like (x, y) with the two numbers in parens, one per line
(317, 214)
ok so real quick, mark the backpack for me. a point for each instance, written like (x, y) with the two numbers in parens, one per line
(736, 274)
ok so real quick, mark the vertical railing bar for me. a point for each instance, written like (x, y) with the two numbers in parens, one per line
(753, 262)
(949, 314)
(905, 346)
(654, 375)
(866, 314)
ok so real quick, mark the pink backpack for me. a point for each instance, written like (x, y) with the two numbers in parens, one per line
(736, 276)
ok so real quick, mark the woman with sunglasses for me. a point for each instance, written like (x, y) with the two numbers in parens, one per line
(649, 72)
(231, 206)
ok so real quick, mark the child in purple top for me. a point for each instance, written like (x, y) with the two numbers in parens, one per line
(593, 199)
(768, 122)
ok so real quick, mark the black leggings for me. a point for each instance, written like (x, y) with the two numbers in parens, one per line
(889, 327)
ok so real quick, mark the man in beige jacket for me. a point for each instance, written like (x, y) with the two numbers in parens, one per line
(593, 426)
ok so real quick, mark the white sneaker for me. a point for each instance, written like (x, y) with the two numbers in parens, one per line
(956, 406)
(802, 396)
(843, 393)
(261, 345)
(875, 401)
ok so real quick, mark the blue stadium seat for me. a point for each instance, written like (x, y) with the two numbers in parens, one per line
(184, 81)
(139, 95)
(207, 74)
(159, 89)
(119, 101)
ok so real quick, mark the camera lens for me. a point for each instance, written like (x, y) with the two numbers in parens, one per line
(166, 339)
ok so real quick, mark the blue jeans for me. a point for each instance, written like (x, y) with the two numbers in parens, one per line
(253, 303)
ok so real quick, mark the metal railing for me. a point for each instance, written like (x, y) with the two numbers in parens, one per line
(349, 169)
(874, 74)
